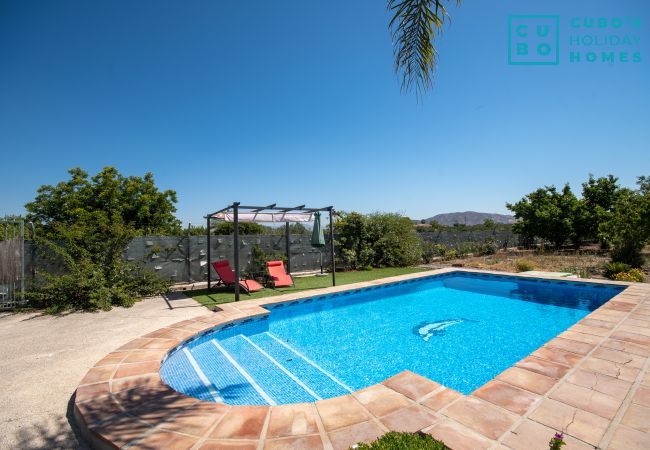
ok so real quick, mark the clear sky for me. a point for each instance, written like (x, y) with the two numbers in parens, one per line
(296, 102)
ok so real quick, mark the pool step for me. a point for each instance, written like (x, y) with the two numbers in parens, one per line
(286, 371)
(180, 371)
(266, 374)
(229, 382)
(321, 381)
(260, 369)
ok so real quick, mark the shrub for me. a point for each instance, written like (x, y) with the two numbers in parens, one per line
(377, 240)
(610, 270)
(353, 240)
(627, 227)
(489, 247)
(228, 228)
(431, 251)
(628, 253)
(428, 251)
(464, 248)
(450, 253)
(93, 272)
(524, 265)
(403, 441)
(259, 258)
(87, 286)
(394, 240)
(634, 275)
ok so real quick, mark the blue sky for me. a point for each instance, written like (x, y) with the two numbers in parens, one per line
(296, 102)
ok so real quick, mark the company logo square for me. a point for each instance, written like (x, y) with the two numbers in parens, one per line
(533, 40)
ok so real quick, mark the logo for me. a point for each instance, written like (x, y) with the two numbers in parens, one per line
(533, 40)
(610, 40)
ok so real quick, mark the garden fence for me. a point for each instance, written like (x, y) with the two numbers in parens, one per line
(12, 264)
(456, 239)
(183, 259)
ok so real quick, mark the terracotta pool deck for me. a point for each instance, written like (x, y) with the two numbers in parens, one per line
(592, 382)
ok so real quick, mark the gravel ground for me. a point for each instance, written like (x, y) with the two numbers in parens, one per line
(43, 358)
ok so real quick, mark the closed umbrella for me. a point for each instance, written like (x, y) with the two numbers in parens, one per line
(317, 237)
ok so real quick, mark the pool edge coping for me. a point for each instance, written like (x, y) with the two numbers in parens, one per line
(122, 400)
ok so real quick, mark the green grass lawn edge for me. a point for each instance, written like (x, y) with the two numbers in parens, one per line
(226, 295)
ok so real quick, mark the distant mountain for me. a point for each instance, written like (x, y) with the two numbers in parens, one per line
(470, 218)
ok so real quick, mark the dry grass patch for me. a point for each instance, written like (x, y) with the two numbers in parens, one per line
(584, 264)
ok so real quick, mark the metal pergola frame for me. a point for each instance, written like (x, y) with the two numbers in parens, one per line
(236, 207)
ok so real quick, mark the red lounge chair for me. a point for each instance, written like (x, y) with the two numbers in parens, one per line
(279, 276)
(227, 276)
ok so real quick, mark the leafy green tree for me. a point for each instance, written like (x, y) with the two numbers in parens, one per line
(394, 240)
(227, 228)
(489, 224)
(627, 228)
(294, 228)
(353, 240)
(86, 225)
(598, 197)
(546, 213)
(134, 202)
(298, 228)
(377, 240)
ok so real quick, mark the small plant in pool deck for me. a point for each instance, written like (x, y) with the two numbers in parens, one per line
(623, 272)
(556, 442)
(610, 270)
(523, 265)
(394, 440)
(634, 275)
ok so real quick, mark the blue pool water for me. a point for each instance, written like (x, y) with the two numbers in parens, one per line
(459, 329)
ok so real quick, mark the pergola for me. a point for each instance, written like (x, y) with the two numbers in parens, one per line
(237, 212)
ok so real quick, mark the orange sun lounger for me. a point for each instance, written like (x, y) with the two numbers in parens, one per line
(278, 274)
(227, 276)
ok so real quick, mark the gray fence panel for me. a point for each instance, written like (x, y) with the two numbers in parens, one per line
(11, 272)
(503, 238)
(166, 255)
(183, 259)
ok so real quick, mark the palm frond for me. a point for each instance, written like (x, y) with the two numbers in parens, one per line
(414, 27)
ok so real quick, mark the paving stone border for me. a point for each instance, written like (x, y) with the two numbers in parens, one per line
(592, 382)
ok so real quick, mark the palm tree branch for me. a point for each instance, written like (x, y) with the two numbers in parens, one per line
(414, 27)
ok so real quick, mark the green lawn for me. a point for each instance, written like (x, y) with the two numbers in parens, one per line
(226, 295)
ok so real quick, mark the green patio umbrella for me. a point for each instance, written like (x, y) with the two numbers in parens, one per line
(317, 237)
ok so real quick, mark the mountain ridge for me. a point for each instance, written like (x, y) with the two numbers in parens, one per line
(470, 218)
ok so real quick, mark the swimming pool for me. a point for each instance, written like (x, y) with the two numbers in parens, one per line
(460, 329)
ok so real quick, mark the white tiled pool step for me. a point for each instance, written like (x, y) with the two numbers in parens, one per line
(261, 369)
(282, 368)
(309, 361)
(214, 393)
(244, 373)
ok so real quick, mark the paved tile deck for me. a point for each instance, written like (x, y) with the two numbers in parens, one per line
(592, 382)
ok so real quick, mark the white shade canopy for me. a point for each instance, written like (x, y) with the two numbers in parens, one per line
(269, 213)
(265, 217)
